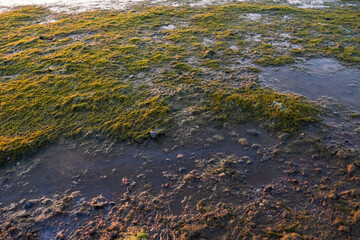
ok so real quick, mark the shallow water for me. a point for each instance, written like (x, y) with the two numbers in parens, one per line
(60, 168)
(86, 5)
(317, 78)
(310, 3)
(70, 5)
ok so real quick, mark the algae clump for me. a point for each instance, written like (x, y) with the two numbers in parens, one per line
(119, 74)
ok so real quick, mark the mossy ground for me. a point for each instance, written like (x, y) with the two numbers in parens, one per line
(121, 74)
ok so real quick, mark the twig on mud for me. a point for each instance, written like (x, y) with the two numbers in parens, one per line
(173, 235)
(169, 208)
(157, 218)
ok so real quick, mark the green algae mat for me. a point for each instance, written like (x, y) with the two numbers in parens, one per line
(124, 74)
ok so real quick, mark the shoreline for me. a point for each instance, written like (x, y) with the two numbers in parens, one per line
(155, 124)
(73, 7)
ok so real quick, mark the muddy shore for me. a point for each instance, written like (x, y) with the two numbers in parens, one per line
(226, 122)
(232, 183)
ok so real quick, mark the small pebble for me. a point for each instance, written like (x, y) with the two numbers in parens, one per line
(28, 205)
(284, 137)
(253, 132)
(256, 146)
(153, 134)
(351, 169)
(125, 181)
(243, 142)
(268, 188)
(315, 156)
(189, 177)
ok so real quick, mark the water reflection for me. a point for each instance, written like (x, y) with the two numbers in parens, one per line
(70, 5)
(86, 5)
(317, 78)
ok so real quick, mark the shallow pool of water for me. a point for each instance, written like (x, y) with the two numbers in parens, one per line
(317, 78)
(60, 168)
(310, 3)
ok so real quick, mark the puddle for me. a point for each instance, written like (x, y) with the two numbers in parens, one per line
(317, 78)
(168, 27)
(200, 3)
(268, 172)
(285, 45)
(285, 35)
(311, 3)
(60, 168)
(234, 47)
(254, 38)
(79, 36)
(208, 42)
(253, 17)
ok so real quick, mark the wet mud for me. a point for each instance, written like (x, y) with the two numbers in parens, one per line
(222, 181)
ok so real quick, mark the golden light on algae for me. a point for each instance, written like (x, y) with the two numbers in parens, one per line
(98, 71)
(277, 111)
